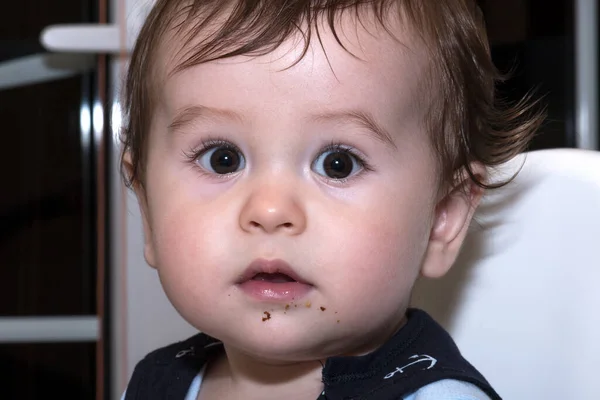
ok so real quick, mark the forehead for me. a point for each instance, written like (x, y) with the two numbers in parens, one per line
(361, 64)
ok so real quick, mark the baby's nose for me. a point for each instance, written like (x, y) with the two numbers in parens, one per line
(272, 209)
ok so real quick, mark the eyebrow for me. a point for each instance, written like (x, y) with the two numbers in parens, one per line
(362, 118)
(188, 115)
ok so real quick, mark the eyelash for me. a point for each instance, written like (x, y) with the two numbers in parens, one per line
(343, 148)
(208, 144)
(194, 153)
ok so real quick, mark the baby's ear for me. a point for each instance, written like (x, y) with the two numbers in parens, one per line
(451, 221)
(140, 194)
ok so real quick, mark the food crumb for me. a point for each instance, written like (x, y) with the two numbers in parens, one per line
(308, 304)
(323, 308)
(287, 307)
(267, 317)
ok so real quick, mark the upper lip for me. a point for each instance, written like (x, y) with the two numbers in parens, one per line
(263, 266)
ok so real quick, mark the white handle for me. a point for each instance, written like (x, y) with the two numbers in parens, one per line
(96, 38)
(49, 329)
(83, 38)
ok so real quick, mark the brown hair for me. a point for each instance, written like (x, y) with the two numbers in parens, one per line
(466, 121)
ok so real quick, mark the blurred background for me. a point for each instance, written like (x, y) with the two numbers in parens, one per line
(72, 281)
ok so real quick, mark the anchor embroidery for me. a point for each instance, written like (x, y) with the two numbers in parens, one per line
(185, 352)
(419, 358)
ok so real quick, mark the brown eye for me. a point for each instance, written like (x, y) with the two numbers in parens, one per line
(337, 164)
(222, 160)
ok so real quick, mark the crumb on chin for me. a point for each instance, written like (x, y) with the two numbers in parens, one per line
(308, 304)
(322, 308)
(267, 316)
(287, 307)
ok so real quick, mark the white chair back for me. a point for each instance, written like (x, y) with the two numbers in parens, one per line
(523, 300)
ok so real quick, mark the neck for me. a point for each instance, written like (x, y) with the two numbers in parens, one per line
(254, 378)
(243, 376)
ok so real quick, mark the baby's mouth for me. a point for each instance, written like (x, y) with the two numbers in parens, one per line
(273, 281)
(273, 278)
(270, 271)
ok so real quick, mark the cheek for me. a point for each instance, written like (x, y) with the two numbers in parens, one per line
(188, 223)
(178, 238)
(190, 242)
(386, 252)
(379, 250)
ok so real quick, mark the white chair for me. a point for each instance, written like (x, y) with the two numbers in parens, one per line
(523, 300)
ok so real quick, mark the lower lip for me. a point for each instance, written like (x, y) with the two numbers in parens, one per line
(269, 291)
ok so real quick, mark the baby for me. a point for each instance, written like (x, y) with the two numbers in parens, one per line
(299, 164)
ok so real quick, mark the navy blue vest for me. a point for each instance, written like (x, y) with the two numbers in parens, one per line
(420, 353)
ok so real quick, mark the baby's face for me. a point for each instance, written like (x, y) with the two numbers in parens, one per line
(289, 209)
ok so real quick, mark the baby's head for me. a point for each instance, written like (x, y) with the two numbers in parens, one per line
(300, 163)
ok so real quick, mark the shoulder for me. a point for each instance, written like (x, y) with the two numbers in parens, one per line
(174, 351)
(171, 368)
(164, 357)
(449, 389)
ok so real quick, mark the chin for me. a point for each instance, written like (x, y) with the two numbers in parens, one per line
(280, 345)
